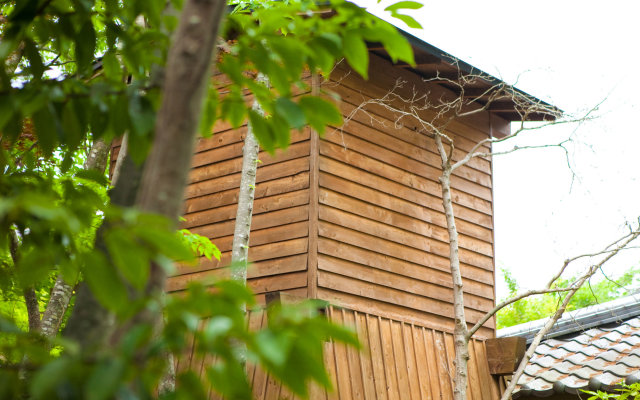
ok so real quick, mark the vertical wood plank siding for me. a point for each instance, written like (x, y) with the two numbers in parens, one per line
(382, 237)
(398, 361)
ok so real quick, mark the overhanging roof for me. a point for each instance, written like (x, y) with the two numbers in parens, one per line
(600, 358)
(444, 69)
(593, 348)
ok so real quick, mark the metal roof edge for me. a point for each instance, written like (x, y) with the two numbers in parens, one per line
(579, 320)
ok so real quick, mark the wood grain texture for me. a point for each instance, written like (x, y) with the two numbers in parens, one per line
(279, 230)
(382, 233)
(398, 361)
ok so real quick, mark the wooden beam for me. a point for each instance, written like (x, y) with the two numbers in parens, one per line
(504, 354)
(502, 106)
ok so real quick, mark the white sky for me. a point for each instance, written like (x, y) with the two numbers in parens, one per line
(573, 54)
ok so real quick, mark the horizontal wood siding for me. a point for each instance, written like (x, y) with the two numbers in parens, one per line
(398, 361)
(280, 227)
(382, 235)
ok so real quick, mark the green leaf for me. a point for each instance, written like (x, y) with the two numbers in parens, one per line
(35, 60)
(34, 266)
(320, 113)
(356, 53)
(281, 131)
(407, 19)
(208, 117)
(51, 375)
(165, 242)
(93, 175)
(291, 112)
(262, 131)
(104, 282)
(6, 109)
(274, 348)
(217, 327)
(410, 5)
(398, 48)
(111, 65)
(85, 46)
(141, 114)
(45, 125)
(104, 380)
(72, 126)
(234, 109)
(292, 54)
(131, 259)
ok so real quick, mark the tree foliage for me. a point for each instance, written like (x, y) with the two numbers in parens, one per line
(76, 71)
(625, 392)
(533, 308)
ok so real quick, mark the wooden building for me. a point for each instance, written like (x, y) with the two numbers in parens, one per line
(356, 218)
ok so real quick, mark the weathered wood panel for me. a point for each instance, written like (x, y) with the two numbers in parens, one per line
(397, 361)
(382, 235)
(280, 229)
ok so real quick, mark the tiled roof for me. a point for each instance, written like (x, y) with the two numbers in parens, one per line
(579, 320)
(599, 358)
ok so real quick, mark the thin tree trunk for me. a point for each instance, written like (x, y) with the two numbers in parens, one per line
(240, 246)
(124, 149)
(61, 294)
(242, 231)
(33, 309)
(460, 328)
(30, 297)
(62, 291)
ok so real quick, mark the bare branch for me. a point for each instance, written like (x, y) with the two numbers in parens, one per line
(551, 321)
(608, 250)
(432, 115)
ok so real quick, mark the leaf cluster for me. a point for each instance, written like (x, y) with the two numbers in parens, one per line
(625, 392)
(533, 308)
(283, 46)
(206, 323)
(74, 67)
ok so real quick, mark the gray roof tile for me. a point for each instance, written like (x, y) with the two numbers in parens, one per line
(604, 356)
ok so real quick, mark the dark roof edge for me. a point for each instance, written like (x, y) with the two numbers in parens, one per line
(579, 320)
(468, 68)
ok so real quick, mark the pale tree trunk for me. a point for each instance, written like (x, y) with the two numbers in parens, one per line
(242, 231)
(124, 149)
(414, 108)
(460, 328)
(240, 246)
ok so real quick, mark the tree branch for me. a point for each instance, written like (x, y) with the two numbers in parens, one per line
(549, 324)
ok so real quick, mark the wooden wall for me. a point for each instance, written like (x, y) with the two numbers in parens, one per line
(280, 229)
(355, 217)
(382, 244)
(398, 361)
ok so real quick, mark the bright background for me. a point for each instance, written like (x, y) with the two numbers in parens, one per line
(575, 55)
